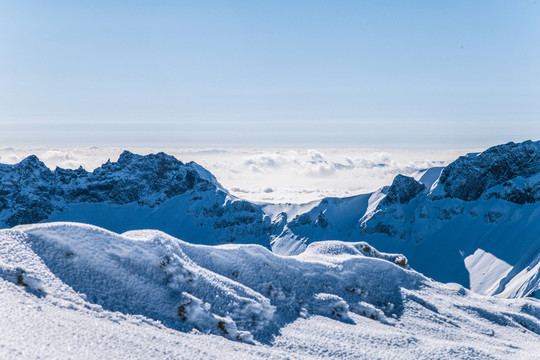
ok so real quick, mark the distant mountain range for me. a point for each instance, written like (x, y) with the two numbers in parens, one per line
(475, 222)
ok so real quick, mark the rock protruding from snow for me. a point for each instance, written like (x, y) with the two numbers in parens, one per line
(402, 190)
(26, 192)
(148, 180)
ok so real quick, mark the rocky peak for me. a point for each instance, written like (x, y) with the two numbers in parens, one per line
(25, 173)
(30, 160)
(30, 191)
(469, 177)
(126, 156)
(402, 190)
(31, 163)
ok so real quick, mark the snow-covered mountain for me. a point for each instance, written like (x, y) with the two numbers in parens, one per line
(156, 191)
(72, 290)
(475, 222)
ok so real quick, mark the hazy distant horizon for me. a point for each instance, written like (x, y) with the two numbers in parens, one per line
(415, 74)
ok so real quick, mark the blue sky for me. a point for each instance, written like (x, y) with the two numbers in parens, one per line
(449, 74)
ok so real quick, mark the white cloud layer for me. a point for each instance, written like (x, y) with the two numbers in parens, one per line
(269, 175)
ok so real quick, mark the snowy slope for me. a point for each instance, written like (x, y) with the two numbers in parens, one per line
(296, 226)
(480, 220)
(429, 176)
(145, 294)
(481, 245)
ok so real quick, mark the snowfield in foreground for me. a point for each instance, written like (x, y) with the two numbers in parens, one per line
(79, 291)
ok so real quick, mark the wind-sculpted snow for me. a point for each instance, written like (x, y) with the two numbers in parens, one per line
(235, 291)
(168, 299)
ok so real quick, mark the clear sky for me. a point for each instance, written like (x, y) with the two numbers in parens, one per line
(398, 73)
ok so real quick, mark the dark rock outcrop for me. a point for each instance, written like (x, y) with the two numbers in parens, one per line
(402, 190)
(469, 177)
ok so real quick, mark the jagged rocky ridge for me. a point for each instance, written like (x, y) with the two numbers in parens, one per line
(507, 170)
(479, 217)
(157, 191)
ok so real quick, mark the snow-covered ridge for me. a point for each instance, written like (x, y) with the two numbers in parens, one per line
(245, 293)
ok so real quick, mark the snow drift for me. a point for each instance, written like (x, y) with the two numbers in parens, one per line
(240, 292)
(247, 294)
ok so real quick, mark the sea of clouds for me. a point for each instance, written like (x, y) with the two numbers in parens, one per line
(269, 175)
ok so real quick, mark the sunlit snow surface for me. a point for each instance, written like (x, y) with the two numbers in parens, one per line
(77, 291)
(485, 270)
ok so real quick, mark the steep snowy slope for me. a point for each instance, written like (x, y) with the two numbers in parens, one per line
(429, 176)
(480, 220)
(145, 294)
(136, 192)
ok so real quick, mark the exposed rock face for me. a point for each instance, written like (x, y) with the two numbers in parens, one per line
(508, 166)
(26, 192)
(402, 190)
(30, 192)
(148, 180)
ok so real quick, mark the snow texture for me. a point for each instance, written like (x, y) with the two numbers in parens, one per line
(71, 290)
